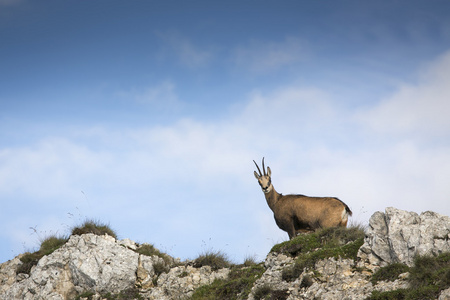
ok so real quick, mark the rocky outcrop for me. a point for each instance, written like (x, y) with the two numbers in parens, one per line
(330, 279)
(100, 265)
(398, 236)
(92, 266)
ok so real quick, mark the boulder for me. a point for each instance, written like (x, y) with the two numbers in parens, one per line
(398, 236)
(85, 263)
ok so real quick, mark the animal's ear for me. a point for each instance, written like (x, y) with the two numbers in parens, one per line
(256, 175)
(268, 171)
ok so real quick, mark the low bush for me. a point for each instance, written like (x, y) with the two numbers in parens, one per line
(131, 293)
(237, 286)
(216, 260)
(267, 292)
(428, 277)
(95, 227)
(310, 248)
(150, 250)
(48, 246)
(389, 273)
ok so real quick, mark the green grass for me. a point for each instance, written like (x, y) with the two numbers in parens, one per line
(52, 243)
(339, 242)
(268, 292)
(48, 246)
(237, 286)
(95, 227)
(216, 260)
(128, 294)
(389, 273)
(428, 277)
(150, 250)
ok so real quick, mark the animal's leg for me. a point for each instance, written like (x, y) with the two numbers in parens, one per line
(291, 232)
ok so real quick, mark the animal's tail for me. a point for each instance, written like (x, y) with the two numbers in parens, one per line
(347, 210)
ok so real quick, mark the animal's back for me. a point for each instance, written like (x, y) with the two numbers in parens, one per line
(315, 211)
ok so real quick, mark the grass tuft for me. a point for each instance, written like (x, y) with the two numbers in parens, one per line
(95, 227)
(268, 292)
(310, 248)
(48, 246)
(150, 250)
(428, 277)
(238, 285)
(216, 260)
(389, 273)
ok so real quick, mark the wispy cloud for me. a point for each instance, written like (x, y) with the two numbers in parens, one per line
(10, 2)
(419, 110)
(162, 96)
(264, 56)
(199, 172)
(185, 50)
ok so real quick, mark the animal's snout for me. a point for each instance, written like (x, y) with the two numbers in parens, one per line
(266, 189)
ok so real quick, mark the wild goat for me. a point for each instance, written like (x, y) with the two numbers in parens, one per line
(298, 213)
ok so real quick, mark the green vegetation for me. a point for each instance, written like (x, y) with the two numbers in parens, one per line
(389, 273)
(95, 227)
(268, 292)
(428, 277)
(47, 247)
(237, 286)
(216, 260)
(150, 250)
(310, 248)
(250, 261)
(131, 293)
(54, 242)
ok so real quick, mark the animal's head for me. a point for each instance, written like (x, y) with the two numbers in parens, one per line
(264, 179)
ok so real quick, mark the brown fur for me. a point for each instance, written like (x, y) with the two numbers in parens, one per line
(298, 213)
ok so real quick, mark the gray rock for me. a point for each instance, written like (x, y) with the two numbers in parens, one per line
(101, 264)
(87, 262)
(398, 236)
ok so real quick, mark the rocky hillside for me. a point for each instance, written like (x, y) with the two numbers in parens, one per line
(401, 255)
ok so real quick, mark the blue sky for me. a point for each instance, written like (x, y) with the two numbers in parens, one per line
(147, 115)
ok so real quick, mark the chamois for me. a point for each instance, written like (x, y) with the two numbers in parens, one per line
(299, 213)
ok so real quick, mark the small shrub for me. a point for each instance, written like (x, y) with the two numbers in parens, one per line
(51, 244)
(85, 295)
(429, 270)
(389, 273)
(160, 268)
(399, 294)
(237, 286)
(48, 246)
(150, 250)
(309, 248)
(262, 292)
(216, 260)
(293, 272)
(266, 292)
(428, 277)
(307, 281)
(323, 238)
(250, 261)
(95, 227)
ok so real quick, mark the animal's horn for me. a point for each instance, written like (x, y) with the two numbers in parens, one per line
(264, 169)
(258, 168)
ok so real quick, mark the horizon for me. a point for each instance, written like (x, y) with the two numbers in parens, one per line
(148, 116)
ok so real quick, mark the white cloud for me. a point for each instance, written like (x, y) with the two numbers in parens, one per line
(417, 110)
(201, 173)
(162, 96)
(187, 53)
(263, 56)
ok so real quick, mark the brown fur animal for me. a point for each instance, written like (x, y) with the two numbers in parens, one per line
(298, 213)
